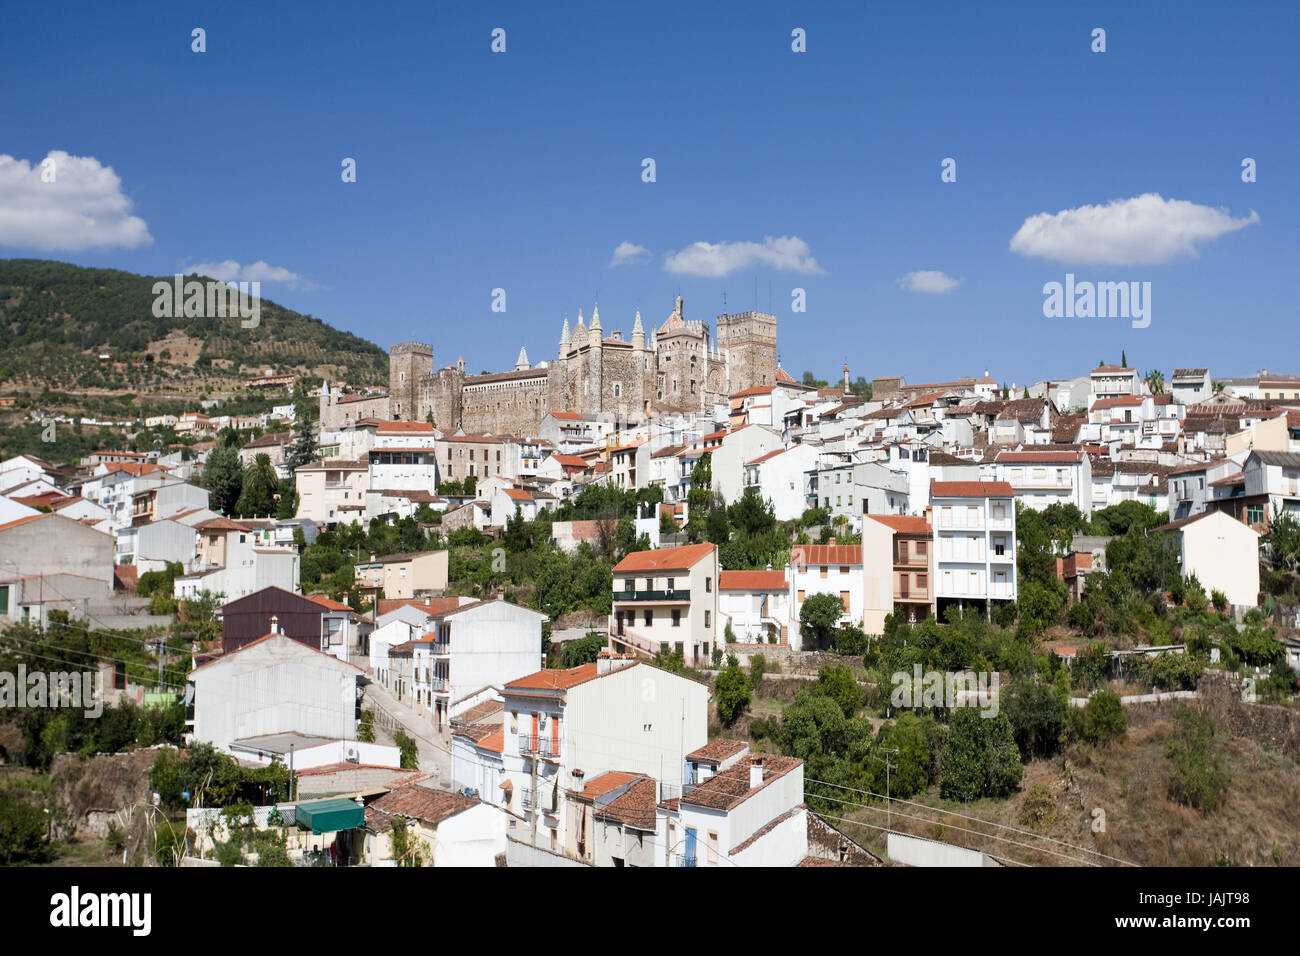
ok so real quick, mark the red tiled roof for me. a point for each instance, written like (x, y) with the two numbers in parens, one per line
(971, 489)
(327, 602)
(555, 679)
(517, 494)
(1112, 368)
(665, 559)
(906, 524)
(768, 457)
(807, 554)
(759, 390)
(567, 416)
(1116, 401)
(751, 580)
(1028, 457)
(605, 782)
(570, 461)
(495, 741)
(17, 521)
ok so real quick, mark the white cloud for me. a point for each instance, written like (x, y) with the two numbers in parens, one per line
(929, 280)
(714, 260)
(1144, 230)
(228, 270)
(82, 207)
(626, 252)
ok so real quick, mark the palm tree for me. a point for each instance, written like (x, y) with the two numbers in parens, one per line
(1155, 380)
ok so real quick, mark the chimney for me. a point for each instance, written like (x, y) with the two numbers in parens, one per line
(755, 775)
(604, 663)
(275, 624)
(372, 557)
(831, 542)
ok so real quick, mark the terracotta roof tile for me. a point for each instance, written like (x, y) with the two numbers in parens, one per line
(665, 559)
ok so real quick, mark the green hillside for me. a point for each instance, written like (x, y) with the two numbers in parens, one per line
(57, 318)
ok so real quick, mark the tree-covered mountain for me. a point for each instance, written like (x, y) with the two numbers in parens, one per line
(57, 318)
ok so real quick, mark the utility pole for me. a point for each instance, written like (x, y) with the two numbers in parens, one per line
(889, 803)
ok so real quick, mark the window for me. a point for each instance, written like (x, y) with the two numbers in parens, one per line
(706, 618)
(708, 585)
(844, 569)
(922, 582)
(629, 584)
(844, 601)
(922, 548)
(823, 570)
(677, 617)
(649, 618)
(1254, 514)
(799, 598)
(514, 721)
(670, 583)
(713, 848)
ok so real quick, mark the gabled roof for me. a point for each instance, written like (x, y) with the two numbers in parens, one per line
(971, 489)
(665, 559)
(905, 524)
(751, 581)
(289, 642)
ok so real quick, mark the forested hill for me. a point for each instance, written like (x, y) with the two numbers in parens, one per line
(56, 319)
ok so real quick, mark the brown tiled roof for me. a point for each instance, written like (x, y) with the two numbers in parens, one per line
(634, 807)
(418, 802)
(766, 828)
(971, 489)
(731, 787)
(827, 554)
(717, 750)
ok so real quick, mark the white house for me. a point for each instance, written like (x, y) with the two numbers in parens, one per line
(826, 569)
(274, 685)
(755, 604)
(779, 477)
(667, 599)
(1222, 552)
(1042, 478)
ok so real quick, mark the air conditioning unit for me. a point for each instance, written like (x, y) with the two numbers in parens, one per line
(351, 754)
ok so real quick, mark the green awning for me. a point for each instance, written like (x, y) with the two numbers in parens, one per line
(327, 816)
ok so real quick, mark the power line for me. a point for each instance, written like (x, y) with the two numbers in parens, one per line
(990, 836)
(962, 816)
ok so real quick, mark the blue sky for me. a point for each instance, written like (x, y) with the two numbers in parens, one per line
(523, 170)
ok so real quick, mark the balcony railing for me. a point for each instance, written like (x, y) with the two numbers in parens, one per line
(439, 685)
(681, 859)
(528, 800)
(913, 594)
(528, 744)
(676, 594)
(440, 648)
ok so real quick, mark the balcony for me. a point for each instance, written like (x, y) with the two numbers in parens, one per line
(921, 595)
(440, 648)
(676, 595)
(1000, 589)
(528, 800)
(439, 685)
(681, 859)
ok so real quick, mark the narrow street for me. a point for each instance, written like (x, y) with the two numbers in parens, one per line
(392, 715)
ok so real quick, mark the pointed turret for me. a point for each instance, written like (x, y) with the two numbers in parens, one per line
(521, 363)
(595, 328)
(638, 332)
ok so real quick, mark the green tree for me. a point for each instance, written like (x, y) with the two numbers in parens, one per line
(837, 683)
(258, 490)
(818, 618)
(223, 478)
(303, 450)
(732, 693)
(582, 651)
(981, 758)
(699, 499)
(1037, 713)
(23, 831)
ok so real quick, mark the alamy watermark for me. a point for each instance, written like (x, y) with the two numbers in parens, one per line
(208, 300)
(52, 689)
(1098, 300)
(946, 689)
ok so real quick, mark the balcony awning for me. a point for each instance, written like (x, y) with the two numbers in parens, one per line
(329, 816)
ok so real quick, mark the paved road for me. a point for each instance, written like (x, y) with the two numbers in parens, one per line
(390, 713)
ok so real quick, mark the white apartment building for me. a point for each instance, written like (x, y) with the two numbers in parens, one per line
(229, 561)
(665, 600)
(1109, 381)
(1190, 386)
(1042, 478)
(1222, 552)
(974, 550)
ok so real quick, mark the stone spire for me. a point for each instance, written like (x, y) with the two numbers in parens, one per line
(595, 324)
(521, 363)
(638, 332)
(581, 324)
(564, 332)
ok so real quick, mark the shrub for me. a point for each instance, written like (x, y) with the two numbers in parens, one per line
(1103, 718)
(732, 692)
(850, 641)
(1197, 777)
(1038, 809)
